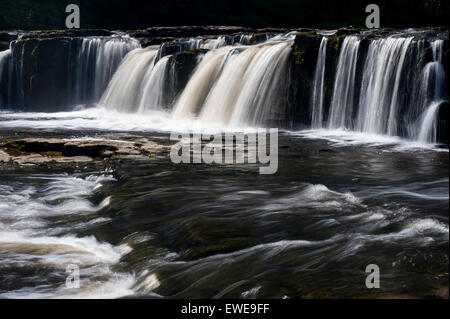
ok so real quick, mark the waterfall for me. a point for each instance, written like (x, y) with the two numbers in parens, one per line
(380, 85)
(4, 58)
(237, 85)
(264, 87)
(317, 90)
(94, 65)
(126, 87)
(16, 91)
(388, 84)
(427, 132)
(199, 85)
(344, 85)
(153, 93)
(386, 90)
(434, 93)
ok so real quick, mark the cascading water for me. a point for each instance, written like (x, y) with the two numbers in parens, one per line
(4, 58)
(125, 89)
(344, 85)
(427, 131)
(382, 97)
(95, 64)
(87, 65)
(317, 93)
(237, 85)
(380, 86)
(434, 90)
(265, 86)
(200, 83)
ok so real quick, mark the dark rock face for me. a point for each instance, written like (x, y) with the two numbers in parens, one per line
(303, 63)
(184, 64)
(442, 129)
(71, 33)
(40, 77)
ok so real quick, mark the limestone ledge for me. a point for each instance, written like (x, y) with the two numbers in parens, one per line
(44, 151)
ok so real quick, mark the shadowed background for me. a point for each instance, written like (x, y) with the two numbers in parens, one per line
(116, 14)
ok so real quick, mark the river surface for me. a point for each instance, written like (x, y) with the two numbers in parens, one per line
(141, 226)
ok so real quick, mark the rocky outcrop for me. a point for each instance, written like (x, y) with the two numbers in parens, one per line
(183, 64)
(37, 151)
(41, 70)
(195, 31)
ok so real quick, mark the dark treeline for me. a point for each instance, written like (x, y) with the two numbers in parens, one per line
(132, 14)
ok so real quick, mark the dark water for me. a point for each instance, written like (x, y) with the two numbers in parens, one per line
(144, 226)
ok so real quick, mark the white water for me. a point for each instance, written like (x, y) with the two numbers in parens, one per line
(4, 57)
(433, 94)
(380, 86)
(95, 64)
(384, 96)
(153, 92)
(427, 132)
(317, 93)
(246, 85)
(31, 236)
(344, 85)
(236, 85)
(200, 83)
(124, 91)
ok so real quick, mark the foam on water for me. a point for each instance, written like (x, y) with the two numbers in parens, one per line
(344, 138)
(101, 119)
(31, 237)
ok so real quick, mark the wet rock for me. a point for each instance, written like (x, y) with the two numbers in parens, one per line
(44, 77)
(442, 292)
(442, 128)
(303, 62)
(4, 157)
(69, 33)
(184, 63)
(36, 151)
(38, 159)
(187, 31)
